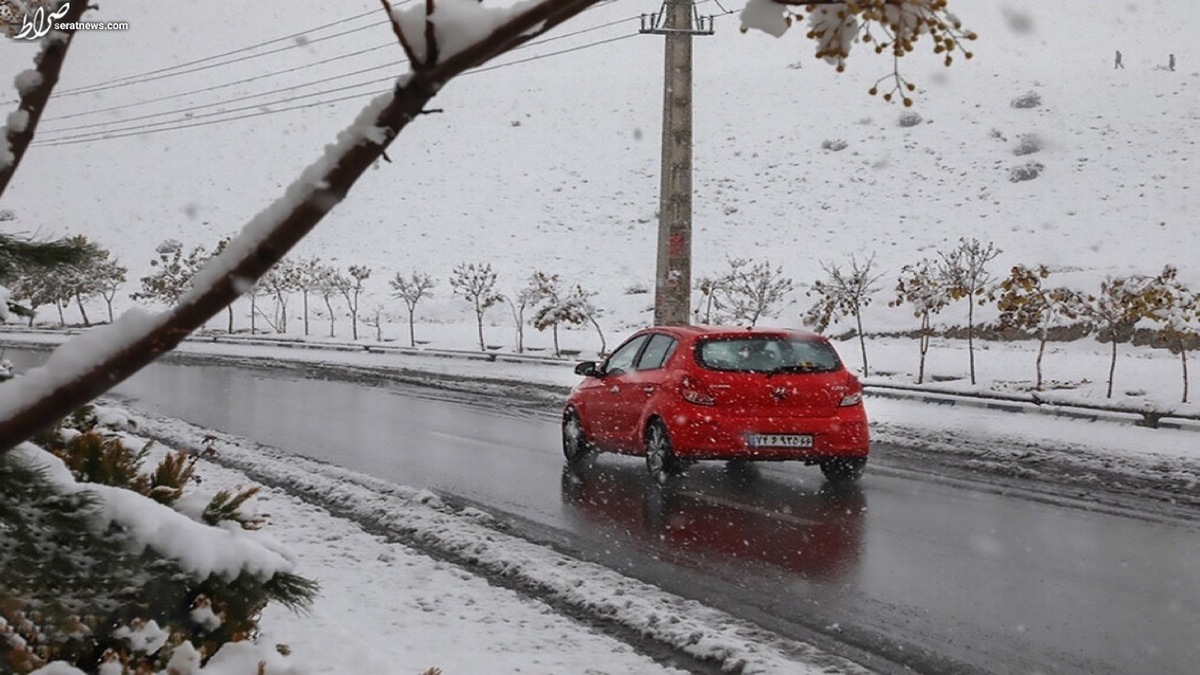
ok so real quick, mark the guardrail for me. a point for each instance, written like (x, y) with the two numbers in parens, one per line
(377, 348)
(1015, 403)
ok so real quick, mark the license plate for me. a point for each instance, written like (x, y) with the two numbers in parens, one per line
(781, 441)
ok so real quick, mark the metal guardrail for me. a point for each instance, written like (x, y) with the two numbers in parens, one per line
(376, 348)
(1015, 403)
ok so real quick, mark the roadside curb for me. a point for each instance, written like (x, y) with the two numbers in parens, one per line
(1032, 404)
(1134, 418)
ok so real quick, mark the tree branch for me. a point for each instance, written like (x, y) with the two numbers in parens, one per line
(34, 99)
(408, 50)
(71, 380)
(431, 45)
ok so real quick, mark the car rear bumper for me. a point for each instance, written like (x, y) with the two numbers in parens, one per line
(707, 436)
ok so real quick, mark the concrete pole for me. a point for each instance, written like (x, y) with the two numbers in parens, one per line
(673, 278)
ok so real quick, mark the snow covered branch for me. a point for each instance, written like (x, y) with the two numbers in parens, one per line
(34, 88)
(75, 374)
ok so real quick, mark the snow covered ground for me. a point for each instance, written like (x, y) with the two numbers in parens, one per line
(389, 610)
(415, 612)
(1114, 197)
(549, 161)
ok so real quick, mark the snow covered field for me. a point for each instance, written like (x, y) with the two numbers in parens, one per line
(551, 164)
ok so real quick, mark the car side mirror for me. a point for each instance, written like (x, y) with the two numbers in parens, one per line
(587, 369)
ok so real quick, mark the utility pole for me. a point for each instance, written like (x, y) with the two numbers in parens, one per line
(678, 21)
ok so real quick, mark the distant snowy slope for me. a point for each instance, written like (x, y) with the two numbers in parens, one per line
(553, 162)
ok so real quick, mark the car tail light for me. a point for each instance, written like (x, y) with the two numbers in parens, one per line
(695, 392)
(854, 393)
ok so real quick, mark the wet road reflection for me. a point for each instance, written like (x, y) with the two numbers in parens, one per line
(726, 517)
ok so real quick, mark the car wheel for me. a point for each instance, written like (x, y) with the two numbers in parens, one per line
(843, 469)
(576, 446)
(661, 462)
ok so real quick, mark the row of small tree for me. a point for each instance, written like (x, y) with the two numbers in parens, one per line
(1025, 300)
(746, 292)
(553, 302)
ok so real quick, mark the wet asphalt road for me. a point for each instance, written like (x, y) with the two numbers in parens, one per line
(908, 570)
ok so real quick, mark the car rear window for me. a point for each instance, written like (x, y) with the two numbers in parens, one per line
(767, 354)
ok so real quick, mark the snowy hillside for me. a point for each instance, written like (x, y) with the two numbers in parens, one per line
(551, 162)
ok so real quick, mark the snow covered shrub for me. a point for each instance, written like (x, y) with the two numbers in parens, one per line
(1025, 172)
(833, 145)
(99, 574)
(637, 289)
(922, 288)
(910, 118)
(1030, 99)
(1027, 144)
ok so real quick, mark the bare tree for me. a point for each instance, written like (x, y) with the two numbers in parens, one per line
(519, 302)
(351, 287)
(964, 272)
(749, 291)
(844, 293)
(309, 279)
(218, 250)
(476, 283)
(326, 285)
(280, 282)
(1026, 304)
(590, 312)
(412, 289)
(708, 287)
(920, 287)
(324, 184)
(110, 276)
(375, 319)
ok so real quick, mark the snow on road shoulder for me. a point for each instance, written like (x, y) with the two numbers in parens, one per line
(387, 608)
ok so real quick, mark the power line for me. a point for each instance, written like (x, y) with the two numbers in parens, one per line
(187, 111)
(360, 52)
(203, 90)
(190, 121)
(104, 84)
(171, 124)
(210, 66)
(194, 108)
(162, 126)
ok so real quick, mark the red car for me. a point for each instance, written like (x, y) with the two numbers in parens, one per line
(676, 394)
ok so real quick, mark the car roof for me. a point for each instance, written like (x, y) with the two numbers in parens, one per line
(696, 332)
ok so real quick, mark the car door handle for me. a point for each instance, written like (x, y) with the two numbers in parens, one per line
(649, 389)
(614, 389)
